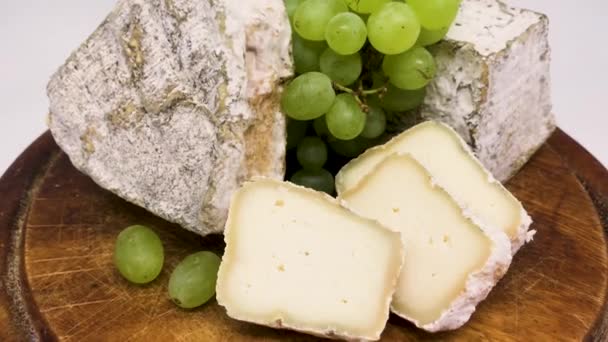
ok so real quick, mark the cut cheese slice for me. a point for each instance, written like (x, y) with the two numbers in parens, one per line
(451, 262)
(454, 167)
(296, 259)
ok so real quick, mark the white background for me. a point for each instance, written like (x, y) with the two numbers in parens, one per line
(36, 36)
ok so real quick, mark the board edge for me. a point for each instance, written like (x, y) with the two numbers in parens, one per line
(18, 185)
(593, 177)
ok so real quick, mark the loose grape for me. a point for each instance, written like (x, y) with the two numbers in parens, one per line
(192, 283)
(435, 14)
(320, 126)
(320, 180)
(139, 254)
(400, 100)
(428, 37)
(365, 6)
(296, 131)
(410, 70)
(345, 118)
(375, 123)
(306, 54)
(312, 153)
(308, 96)
(346, 33)
(311, 17)
(344, 70)
(393, 29)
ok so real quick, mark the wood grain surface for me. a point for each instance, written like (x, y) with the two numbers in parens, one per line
(57, 231)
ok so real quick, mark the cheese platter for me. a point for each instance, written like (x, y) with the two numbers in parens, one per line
(58, 282)
(305, 169)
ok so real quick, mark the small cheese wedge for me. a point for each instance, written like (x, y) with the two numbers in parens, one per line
(454, 167)
(296, 259)
(451, 261)
(493, 83)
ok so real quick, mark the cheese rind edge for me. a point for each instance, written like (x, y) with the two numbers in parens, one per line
(479, 284)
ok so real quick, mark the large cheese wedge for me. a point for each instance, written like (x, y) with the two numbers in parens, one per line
(493, 83)
(296, 259)
(171, 105)
(452, 262)
(454, 167)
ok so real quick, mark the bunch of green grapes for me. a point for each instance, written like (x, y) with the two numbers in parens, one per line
(357, 61)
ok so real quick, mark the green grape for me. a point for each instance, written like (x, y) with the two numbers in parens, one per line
(296, 131)
(306, 54)
(378, 79)
(435, 14)
(364, 17)
(344, 70)
(193, 280)
(139, 254)
(400, 100)
(428, 37)
(410, 70)
(365, 6)
(395, 99)
(320, 126)
(345, 118)
(308, 96)
(311, 17)
(312, 153)
(375, 123)
(393, 29)
(320, 180)
(291, 6)
(348, 148)
(346, 33)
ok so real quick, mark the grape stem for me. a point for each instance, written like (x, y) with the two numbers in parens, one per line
(360, 93)
(361, 104)
(355, 94)
(373, 91)
(340, 87)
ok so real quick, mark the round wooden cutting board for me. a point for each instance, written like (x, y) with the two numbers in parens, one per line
(57, 231)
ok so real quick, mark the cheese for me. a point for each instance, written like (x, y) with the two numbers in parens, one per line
(296, 259)
(493, 84)
(451, 261)
(173, 104)
(452, 165)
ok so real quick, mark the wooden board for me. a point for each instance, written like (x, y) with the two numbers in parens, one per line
(57, 230)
